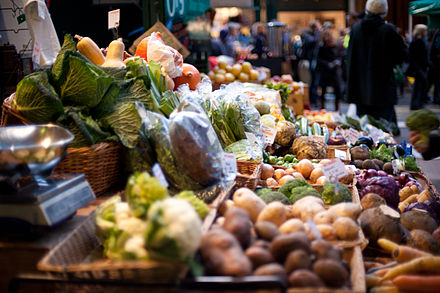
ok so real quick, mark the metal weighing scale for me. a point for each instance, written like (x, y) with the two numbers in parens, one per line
(28, 192)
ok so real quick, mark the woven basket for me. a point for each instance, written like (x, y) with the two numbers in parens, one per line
(249, 180)
(73, 258)
(100, 163)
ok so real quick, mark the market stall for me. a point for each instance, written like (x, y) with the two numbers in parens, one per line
(216, 187)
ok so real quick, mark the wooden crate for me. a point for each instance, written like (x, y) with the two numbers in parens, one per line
(339, 151)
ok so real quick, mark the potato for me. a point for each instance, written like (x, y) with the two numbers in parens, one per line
(310, 233)
(297, 175)
(246, 199)
(347, 209)
(346, 228)
(372, 200)
(332, 272)
(271, 182)
(259, 256)
(308, 199)
(304, 279)
(271, 269)
(220, 221)
(238, 223)
(325, 217)
(298, 259)
(222, 254)
(316, 173)
(267, 171)
(327, 232)
(418, 219)
(309, 211)
(282, 245)
(325, 250)
(274, 212)
(266, 230)
(261, 243)
(291, 225)
(423, 240)
(289, 211)
(225, 206)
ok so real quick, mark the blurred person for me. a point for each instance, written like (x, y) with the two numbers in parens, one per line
(374, 49)
(328, 62)
(418, 67)
(310, 45)
(434, 58)
(221, 46)
(260, 41)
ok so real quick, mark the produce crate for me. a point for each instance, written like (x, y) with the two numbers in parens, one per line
(100, 163)
(248, 174)
(339, 151)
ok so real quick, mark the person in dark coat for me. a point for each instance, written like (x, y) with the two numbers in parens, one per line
(374, 49)
(418, 66)
(328, 67)
(260, 45)
(434, 57)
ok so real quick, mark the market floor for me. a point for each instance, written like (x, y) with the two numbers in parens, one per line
(431, 167)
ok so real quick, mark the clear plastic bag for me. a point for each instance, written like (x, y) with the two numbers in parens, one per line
(169, 58)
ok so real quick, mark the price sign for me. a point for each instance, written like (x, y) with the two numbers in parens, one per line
(36, 52)
(113, 18)
(269, 134)
(334, 170)
(229, 166)
(352, 135)
(340, 154)
(158, 173)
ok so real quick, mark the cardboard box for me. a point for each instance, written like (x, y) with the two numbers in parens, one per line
(298, 99)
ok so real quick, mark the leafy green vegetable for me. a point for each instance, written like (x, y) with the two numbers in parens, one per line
(170, 101)
(382, 153)
(330, 196)
(36, 98)
(284, 90)
(81, 82)
(68, 45)
(411, 164)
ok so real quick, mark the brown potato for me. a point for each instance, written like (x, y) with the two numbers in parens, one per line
(274, 212)
(325, 217)
(324, 250)
(327, 232)
(291, 225)
(372, 200)
(271, 269)
(282, 245)
(347, 209)
(238, 222)
(304, 279)
(266, 230)
(332, 272)
(346, 228)
(259, 256)
(423, 240)
(297, 259)
(246, 199)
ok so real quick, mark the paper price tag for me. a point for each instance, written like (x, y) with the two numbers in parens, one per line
(158, 173)
(252, 139)
(352, 135)
(340, 154)
(250, 151)
(113, 18)
(229, 165)
(269, 134)
(36, 52)
(334, 170)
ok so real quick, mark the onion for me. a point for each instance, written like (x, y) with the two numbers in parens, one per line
(382, 173)
(305, 167)
(267, 171)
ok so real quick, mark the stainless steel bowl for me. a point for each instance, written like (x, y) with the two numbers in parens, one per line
(32, 149)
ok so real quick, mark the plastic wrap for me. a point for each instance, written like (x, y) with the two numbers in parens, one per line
(195, 146)
(245, 151)
(169, 58)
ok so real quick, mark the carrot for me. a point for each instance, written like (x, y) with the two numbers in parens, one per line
(381, 272)
(387, 245)
(417, 283)
(405, 253)
(426, 264)
(372, 280)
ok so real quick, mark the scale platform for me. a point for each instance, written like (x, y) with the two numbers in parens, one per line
(45, 201)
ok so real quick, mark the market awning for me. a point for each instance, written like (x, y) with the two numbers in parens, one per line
(424, 7)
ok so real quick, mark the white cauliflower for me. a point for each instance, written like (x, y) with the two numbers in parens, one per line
(136, 245)
(122, 211)
(174, 229)
(133, 226)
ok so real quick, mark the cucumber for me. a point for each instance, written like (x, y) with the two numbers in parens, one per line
(316, 129)
(304, 123)
(326, 133)
(309, 131)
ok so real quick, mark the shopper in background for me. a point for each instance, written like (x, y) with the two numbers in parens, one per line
(310, 45)
(434, 58)
(418, 67)
(328, 67)
(260, 42)
(429, 152)
(374, 49)
(221, 46)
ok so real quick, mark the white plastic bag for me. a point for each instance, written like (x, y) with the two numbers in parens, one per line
(169, 58)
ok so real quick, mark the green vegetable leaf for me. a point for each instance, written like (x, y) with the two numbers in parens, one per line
(68, 45)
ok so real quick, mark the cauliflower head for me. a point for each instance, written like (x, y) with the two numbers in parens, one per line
(200, 206)
(141, 191)
(105, 216)
(174, 229)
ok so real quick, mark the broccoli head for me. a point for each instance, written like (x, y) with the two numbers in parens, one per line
(199, 205)
(271, 196)
(302, 191)
(423, 121)
(142, 190)
(331, 197)
(287, 187)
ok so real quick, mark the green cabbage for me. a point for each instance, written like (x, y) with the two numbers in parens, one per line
(68, 45)
(81, 83)
(36, 98)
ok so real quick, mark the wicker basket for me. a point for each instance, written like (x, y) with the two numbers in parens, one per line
(248, 174)
(100, 163)
(73, 259)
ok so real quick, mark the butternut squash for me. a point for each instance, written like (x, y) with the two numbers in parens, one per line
(115, 54)
(87, 47)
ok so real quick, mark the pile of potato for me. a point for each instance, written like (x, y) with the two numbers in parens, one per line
(312, 172)
(252, 238)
